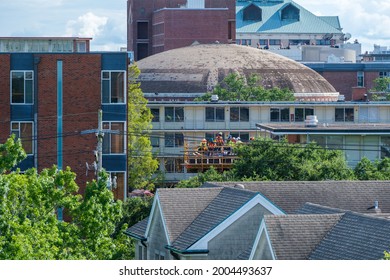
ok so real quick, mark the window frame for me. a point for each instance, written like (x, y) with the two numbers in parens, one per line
(344, 117)
(156, 115)
(305, 113)
(215, 112)
(280, 109)
(22, 137)
(177, 139)
(24, 87)
(360, 78)
(175, 114)
(121, 134)
(240, 115)
(175, 163)
(110, 72)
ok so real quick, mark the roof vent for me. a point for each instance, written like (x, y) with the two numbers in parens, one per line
(311, 121)
(214, 98)
(239, 186)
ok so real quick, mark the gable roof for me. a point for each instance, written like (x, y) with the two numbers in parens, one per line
(311, 208)
(272, 23)
(355, 237)
(290, 196)
(293, 237)
(227, 202)
(138, 230)
(180, 207)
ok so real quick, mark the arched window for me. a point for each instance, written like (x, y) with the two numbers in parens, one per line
(290, 12)
(252, 12)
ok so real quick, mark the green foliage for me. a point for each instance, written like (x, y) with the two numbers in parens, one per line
(235, 88)
(377, 170)
(387, 256)
(141, 163)
(381, 84)
(210, 175)
(265, 159)
(11, 153)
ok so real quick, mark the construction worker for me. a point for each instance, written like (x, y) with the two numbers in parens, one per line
(203, 146)
(219, 139)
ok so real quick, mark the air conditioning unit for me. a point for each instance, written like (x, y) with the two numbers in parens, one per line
(311, 121)
(214, 98)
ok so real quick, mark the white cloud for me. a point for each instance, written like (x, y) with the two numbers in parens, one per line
(87, 25)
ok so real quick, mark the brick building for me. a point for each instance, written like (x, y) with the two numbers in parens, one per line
(158, 25)
(49, 99)
(353, 80)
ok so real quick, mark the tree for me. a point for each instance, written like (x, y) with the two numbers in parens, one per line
(235, 88)
(11, 153)
(381, 88)
(209, 175)
(377, 170)
(387, 256)
(141, 164)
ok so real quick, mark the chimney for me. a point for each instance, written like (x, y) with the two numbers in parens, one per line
(377, 209)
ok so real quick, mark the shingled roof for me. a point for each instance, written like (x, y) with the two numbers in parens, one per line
(294, 237)
(290, 196)
(355, 237)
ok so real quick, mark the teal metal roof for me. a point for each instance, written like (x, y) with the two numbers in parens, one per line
(271, 20)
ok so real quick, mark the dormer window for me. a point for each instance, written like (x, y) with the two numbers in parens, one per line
(290, 12)
(252, 12)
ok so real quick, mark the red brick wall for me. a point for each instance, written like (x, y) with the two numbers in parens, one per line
(183, 27)
(5, 109)
(343, 82)
(81, 101)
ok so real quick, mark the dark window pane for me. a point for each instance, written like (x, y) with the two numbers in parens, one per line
(299, 115)
(117, 87)
(339, 114)
(105, 91)
(275, 115)
(220, 114)
(179, 114)
(29, 91)
(234, 114)
(210, 114)
(156, 114)
(17, 87)
(117, 140)
(244, 114)
(169, 139)
(349, 115)
(285, 115)
(169, 114)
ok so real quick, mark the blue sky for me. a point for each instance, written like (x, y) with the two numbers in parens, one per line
(105, 21)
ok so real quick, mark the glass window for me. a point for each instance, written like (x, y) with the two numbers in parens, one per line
(155, 141)
(215, 114)
(156, 114)
(174, 165)
(244, 136)
(174, 114)
(114, 142)
(360, 79)
(21, 87)
(174, 139)
(344, 115)
(113, 87)
(239, 114)
(280, 114)
(301, 113)
(24, 132)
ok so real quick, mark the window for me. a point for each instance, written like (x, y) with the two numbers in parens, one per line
(212, 136)
(344, 115)
(215, 114)
(246, 42)
(299, 42)
(113, 87)
(159, 255)
(156, 114)
(155, 141)
(280, 114)
(271, 42)
(244, 136)
(174, 140)
(252, 12)
(24, 132)
(324, 42)
(290, 12)
(174, 165)
(22, 87)
(81, 47)
(360, 79)
(301, 113)
(114, 142)
(116, 182)
(174, 114)
(239, 114)
(143, 30)
(142, 252)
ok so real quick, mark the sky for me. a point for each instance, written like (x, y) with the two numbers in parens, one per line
(105, 21)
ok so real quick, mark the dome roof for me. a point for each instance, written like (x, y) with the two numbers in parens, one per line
(197, 69)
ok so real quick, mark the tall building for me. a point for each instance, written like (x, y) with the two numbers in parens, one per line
(51, 102)
(154, 26)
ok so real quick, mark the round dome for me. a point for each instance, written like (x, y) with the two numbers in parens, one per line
(194, 70)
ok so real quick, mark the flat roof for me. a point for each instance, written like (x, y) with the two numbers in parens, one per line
(341, 128)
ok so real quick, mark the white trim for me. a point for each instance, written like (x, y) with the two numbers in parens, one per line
(202, 244)
(156, 203)
(263, 228)
(24, 93)
(109, 79)
(21, 137)
(120, 133)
